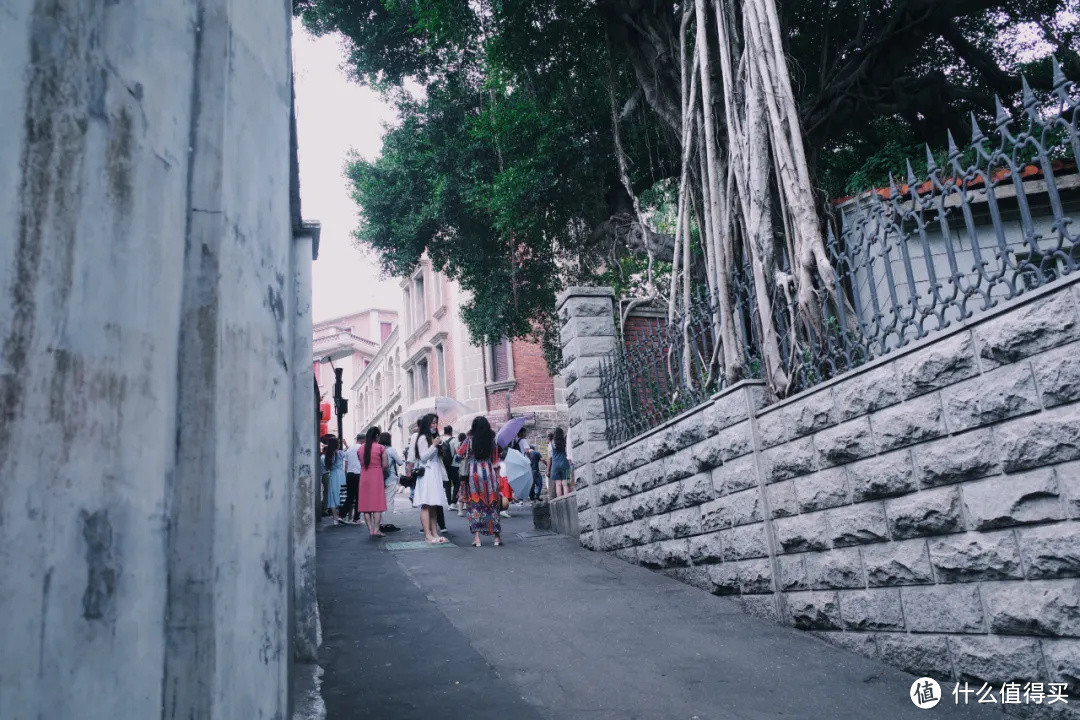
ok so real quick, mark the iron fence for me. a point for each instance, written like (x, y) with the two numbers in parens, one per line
(991, 222)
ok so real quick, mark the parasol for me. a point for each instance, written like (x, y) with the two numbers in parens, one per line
(444, 406)
(509, 431)
(518, 471)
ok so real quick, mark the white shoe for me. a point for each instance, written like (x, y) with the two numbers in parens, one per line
(505, 514)
(460, 513)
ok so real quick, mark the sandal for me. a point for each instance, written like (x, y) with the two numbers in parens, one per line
(476, 544)
(498, 542)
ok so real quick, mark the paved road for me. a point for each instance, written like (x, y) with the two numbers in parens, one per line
(542, 629)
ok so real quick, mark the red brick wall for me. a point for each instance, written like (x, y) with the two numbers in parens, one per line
(534, 385)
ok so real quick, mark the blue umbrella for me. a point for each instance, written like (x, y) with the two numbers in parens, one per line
(509, 431)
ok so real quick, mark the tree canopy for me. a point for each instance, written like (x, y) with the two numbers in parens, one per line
(504, 167)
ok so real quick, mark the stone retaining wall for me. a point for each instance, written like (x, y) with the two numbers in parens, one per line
(922, 509)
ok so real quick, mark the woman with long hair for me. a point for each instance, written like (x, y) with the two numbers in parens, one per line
(371, 498)
(429, 495)
(480, 483)
(334, 462)
(392, 480)
(559, 467)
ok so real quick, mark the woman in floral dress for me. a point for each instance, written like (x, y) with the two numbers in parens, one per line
(480, 481)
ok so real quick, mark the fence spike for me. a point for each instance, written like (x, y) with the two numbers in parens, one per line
(954, 152)
(911, 181)
(976, 132)
(1001, 117)
(1029, 96)
(1059, 77)
(931, 164)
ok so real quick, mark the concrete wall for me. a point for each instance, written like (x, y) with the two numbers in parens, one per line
(145, 384)
(923, 509)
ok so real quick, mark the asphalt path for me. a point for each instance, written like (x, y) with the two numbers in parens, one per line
(540, 628)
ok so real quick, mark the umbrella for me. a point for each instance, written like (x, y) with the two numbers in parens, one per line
(509, 431)
(518, 472)
(443, 406)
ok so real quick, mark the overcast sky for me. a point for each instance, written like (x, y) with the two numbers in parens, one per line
(333, 116)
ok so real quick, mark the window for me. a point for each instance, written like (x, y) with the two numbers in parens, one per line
(440, 370)
(422, 381)
(420, 300)
(408, 312)
(437, 288)
(378, 390)
(385, 329)
(410, 378)
(499, 362)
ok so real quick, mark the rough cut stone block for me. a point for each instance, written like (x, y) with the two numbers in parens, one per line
(996, 659)
(801, 533)
(1027, 330)
(774, 427)
(726, 445)
(824, 489)
(746, 542)
(627, 554)
(655, 502)
(866, 392)
(724, 578)
(792, 573)
(995, 396)
(739, 474)
(715, 515)
(858, 524)
(650, 476)
(844, 443)
(864, 610)
(680, 465)
(957, 459)
(813, 412)
(937, 365)
(660, 528)
(923, 655)
(706, 549)
(1051, 551)
(694, 576)
(943, 608)
(615, 513)
(755, 576)
(1058, 375)
(791, 459)
(1049, 437)
(745, 507)
(928, 512)
(813, 610)
(649, 555)
(903, 562)
(1068, 477)
(834, 569)
(976, 556)
(782, 499)
(1042, 607)
(1013, 500)
(696, 490)
(856, 642)
(660, 445)
(909, 423)
(884, 476)
(726, 411)
(589, 541)
(688, 431)
(609, 492)
(1063, 657)
(685, 523)
(673, 553)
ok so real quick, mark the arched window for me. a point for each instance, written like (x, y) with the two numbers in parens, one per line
(378, 390)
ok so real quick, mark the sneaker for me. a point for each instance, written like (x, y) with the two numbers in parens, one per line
(460, 513)
(505, 514)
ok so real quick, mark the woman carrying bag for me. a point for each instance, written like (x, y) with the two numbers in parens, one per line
(429, 473)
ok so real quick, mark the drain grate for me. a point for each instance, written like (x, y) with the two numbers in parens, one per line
(416, 545)
(535, 533)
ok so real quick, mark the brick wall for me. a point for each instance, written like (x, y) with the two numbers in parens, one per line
(923, 509)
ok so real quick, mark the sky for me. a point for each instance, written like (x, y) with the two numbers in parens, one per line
(334, 116)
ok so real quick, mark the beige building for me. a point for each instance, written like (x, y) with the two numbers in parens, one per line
(430, 354)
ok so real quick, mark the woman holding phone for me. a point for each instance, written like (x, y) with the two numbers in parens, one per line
(429, 494)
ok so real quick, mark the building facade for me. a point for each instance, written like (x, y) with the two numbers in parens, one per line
(349, 342)
(431, 355)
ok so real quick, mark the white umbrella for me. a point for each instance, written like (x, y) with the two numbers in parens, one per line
(444, 406)
(518, 472)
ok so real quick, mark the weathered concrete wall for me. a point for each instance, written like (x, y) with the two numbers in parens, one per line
(922, 509)
(145, 454)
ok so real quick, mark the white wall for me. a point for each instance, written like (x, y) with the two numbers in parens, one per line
(144, 437)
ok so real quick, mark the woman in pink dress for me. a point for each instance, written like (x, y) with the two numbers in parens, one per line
(371, 499)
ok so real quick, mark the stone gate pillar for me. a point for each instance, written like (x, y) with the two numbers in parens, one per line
(587, 334)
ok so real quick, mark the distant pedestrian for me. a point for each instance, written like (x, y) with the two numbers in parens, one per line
(395, 466)
(371, 500)
(334, 462)
(446, 452)
(459, 463)
(559, 467)
(480, 483)
(429, 494)
(352, 481)
(535, 459)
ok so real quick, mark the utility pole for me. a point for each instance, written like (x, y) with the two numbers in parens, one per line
(341, 405)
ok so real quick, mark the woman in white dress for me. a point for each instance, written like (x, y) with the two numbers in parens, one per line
(429, 493)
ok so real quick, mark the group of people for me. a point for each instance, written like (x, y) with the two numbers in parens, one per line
(443, 471)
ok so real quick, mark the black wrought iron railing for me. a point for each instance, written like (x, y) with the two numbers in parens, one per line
(991, 222)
